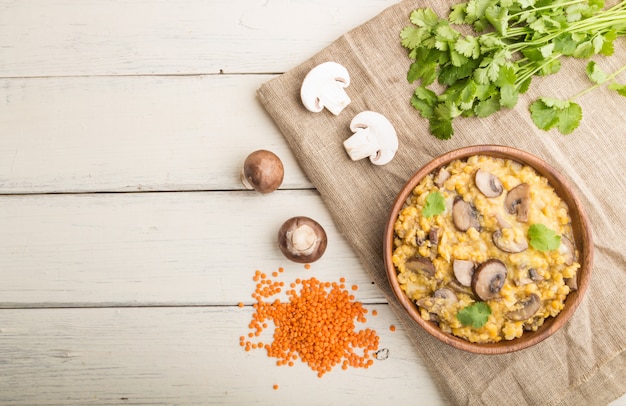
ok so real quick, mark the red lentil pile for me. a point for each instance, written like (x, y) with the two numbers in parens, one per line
(315, 325)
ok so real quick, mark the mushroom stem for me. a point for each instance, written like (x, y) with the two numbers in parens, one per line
(362, 144)
(303, 239)
(334, 97)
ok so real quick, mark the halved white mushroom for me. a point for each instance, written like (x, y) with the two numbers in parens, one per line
(518, 201)
(464, 216)
(489, 278)
(488, 183)
(374, 137)
(510, 246)
(529, 307)
(324, 86)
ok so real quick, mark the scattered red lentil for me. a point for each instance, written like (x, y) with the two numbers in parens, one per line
(316, 325)
(240, 304)
(374, 312)
(392, 328)
(275, 387)
(307, 266)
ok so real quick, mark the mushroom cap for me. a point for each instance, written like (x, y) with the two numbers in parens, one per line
(488, 184)
(446, 293)
(262, 171)
(463, 271)
(508, 246)
(518, 201)
(302, 239)
(464, 216)
(374, 137)
(489, 278)
(420, 264)
(530, 306)
(324, 86)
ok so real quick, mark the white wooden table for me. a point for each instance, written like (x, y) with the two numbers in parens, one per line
(127, 240)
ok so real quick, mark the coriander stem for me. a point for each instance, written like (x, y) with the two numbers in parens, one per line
(550, 7)
(597, 85)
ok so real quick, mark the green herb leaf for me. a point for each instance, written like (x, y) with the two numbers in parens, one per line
(542, 238)
(468, 46)
(547, 113)
(435, 204)
(424, 100)
(595, 74)
(508, 96)
(619, 88)
(424, 17)
(475, 315)
(543, 116)
(411, 37)
(487, 107)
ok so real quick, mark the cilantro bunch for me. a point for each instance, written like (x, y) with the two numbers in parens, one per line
(511, 41)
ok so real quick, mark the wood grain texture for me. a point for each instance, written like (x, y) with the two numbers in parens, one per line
(161, 356)
(166, 37)
(157, 248)
(139, 133)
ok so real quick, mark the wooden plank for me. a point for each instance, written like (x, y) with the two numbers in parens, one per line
(185, 356)
(134, 133)
(91, 37)
(140, 249)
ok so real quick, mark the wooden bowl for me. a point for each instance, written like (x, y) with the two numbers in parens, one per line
(582, 237)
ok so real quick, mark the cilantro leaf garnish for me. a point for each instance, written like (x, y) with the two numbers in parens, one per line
(475, 315)
(542, 238)
(435, 204)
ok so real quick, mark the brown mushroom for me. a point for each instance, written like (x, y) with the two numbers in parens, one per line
(420, 264)
(463, 271)
(528, 308)
(567, 247)
(489, 278)
(435, 307)
(442, 176)
(464, 215)
(531, 275)
(508, 246)
(446, 293)
(458, 288)
(433, 236)
(518, 201)
(488, 183)
(302, 239)
(262, 171)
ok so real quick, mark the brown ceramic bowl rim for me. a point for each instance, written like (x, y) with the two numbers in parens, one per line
(582, 236)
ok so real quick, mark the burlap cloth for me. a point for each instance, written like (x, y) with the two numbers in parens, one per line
(583, 363)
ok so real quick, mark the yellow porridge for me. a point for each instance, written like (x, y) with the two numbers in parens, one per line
(483, 246)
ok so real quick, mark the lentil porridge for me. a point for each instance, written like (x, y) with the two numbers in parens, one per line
(465, 236)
